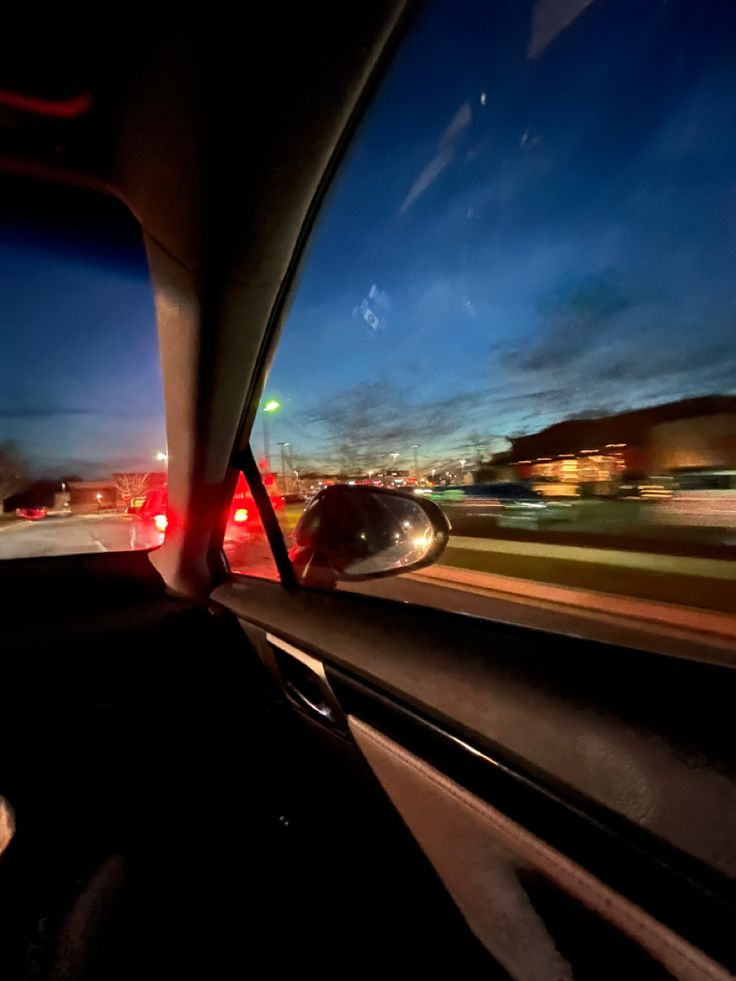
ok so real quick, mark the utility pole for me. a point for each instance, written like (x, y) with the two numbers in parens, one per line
(415, 447)
(283, 446)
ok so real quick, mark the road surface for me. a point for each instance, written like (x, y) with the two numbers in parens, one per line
(64, 534)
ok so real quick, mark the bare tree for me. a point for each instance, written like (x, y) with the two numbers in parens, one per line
(13, 470)
(131, 485)
(362, 425)
(366, 424)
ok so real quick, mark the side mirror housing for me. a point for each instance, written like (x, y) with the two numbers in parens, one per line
(350, 534)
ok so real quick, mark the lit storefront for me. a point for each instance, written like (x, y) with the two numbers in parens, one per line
(565, 474)
(641, 451)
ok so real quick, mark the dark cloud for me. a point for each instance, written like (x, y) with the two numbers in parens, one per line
(56, 411)
(89, 468)
(597, 349)
(666, 353)
(571, 323)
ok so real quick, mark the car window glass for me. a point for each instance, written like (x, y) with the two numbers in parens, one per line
(82, 434)
(521, 286)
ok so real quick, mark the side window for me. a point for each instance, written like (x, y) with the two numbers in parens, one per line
(82, 433)
(519, 301)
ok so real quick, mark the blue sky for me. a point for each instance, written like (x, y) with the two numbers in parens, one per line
(80, 386)
(550, 233)
(535, 221)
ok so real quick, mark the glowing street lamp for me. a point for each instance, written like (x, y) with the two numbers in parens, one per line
(162, 457)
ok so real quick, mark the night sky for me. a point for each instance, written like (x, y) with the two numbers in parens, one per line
(80, 386)
(548, 221)
(535, 222)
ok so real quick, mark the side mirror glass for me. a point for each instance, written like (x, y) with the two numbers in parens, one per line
(348, 534)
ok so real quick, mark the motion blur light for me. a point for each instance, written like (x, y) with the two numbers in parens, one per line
(160, 521)
(240, 516)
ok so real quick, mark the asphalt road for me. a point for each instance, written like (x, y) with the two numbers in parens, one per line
(64, 534)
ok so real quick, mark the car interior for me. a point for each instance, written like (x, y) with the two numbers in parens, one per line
(208, 774)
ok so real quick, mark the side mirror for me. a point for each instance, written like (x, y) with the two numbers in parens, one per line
(348, 534)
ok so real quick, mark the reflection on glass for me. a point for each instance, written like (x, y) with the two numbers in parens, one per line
(371, 534)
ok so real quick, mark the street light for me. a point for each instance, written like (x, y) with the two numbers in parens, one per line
(271, 405)
(162, 456)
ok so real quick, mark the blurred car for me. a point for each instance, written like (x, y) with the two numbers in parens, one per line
(150, 518)
(473, 508)
(702, 498)
(647, 489)
(31, 513)
(294, 498)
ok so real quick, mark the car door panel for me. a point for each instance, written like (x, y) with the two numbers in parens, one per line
(602, 721)
(486, 706)
(357, 841)
(482, 857)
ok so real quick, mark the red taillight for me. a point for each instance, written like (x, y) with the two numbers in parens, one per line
(240, 515)
(160, 521)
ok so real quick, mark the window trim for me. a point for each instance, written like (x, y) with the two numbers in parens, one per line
(246, 462)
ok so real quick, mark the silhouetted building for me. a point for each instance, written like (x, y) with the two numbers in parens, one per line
(598, 452)
(88, 496)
